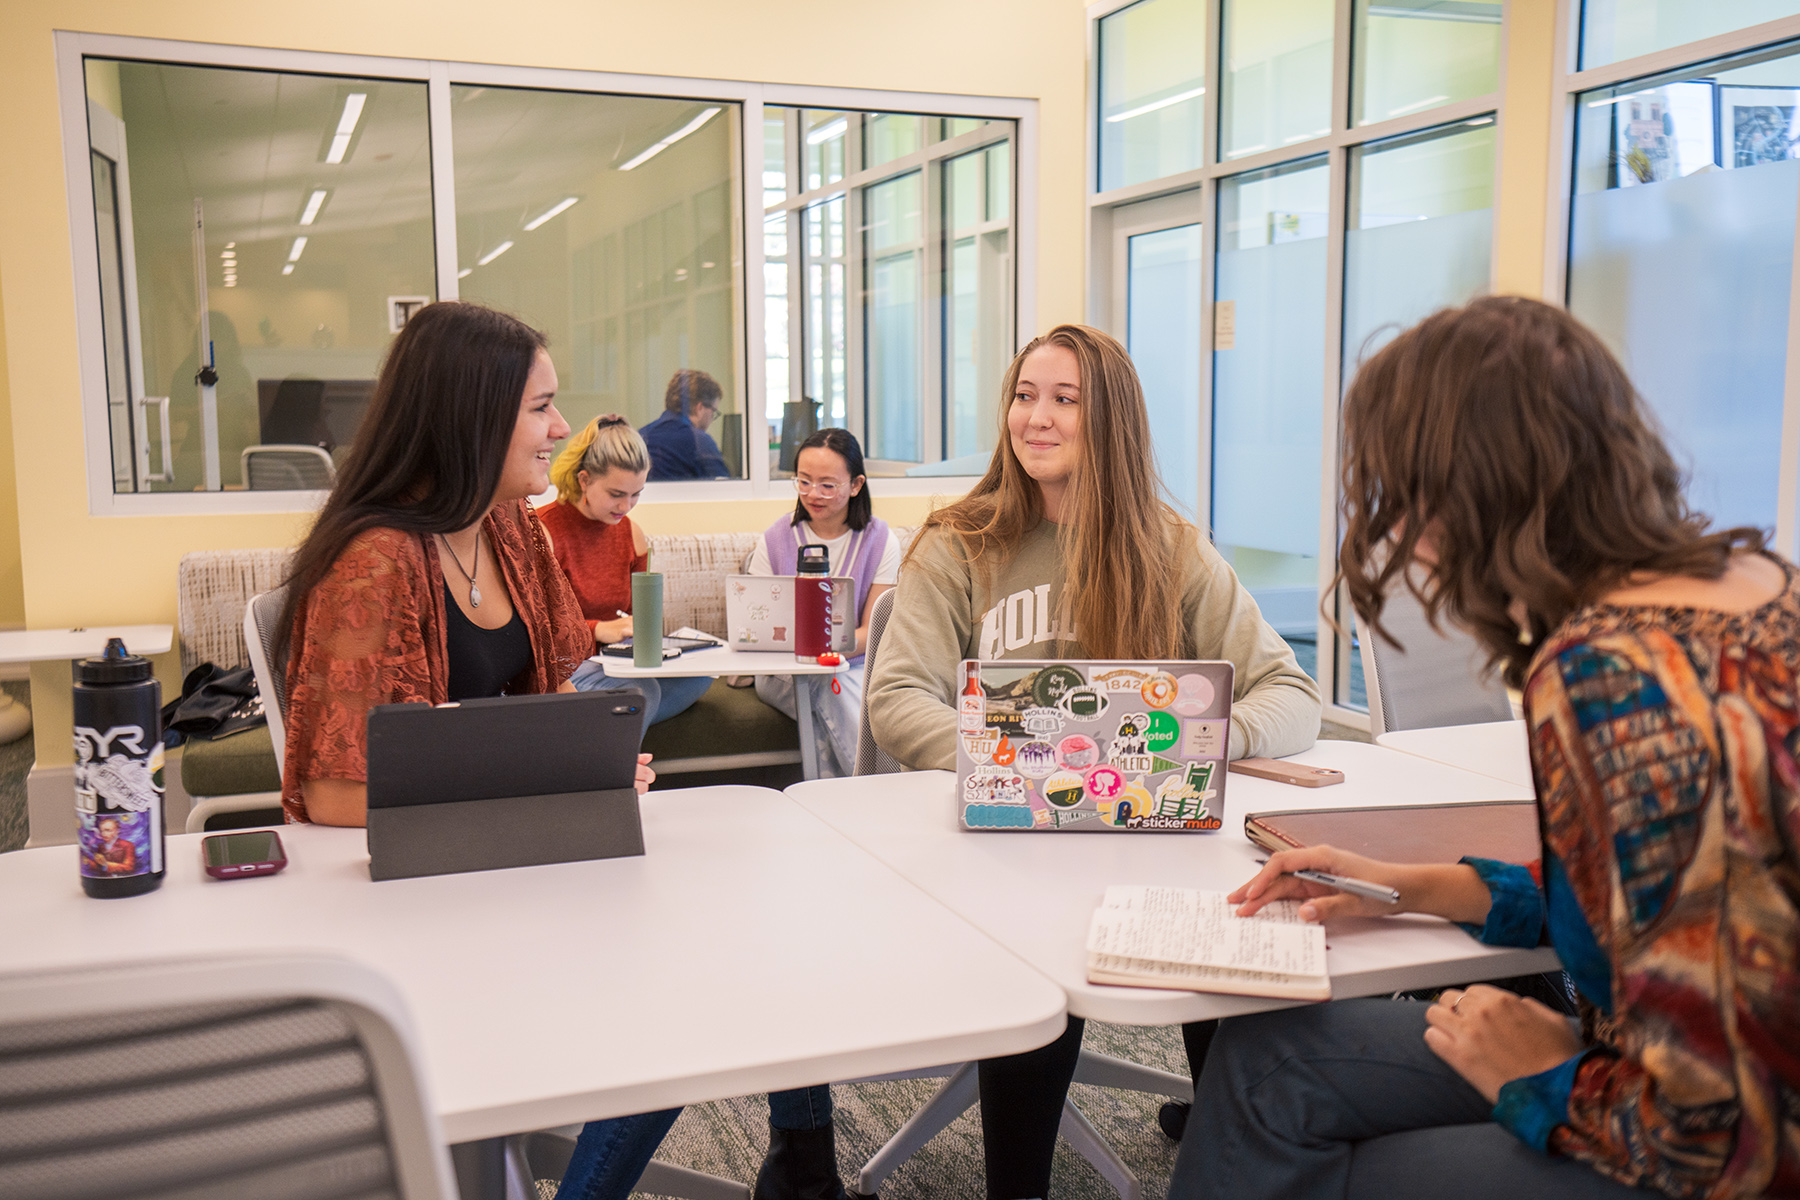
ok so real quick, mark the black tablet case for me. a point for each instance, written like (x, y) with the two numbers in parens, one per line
(515, 781)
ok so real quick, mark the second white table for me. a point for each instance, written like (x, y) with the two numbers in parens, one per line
(723, 660)
(1494, 748)
(1034, 893)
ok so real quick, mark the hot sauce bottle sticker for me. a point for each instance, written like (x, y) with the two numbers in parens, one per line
(972, 704)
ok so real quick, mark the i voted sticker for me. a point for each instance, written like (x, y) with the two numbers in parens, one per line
(1163, 732)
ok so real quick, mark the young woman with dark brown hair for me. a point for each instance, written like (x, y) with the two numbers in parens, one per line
(1501, 448)
(1066, 549)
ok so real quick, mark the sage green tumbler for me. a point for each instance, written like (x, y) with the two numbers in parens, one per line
(646, 618)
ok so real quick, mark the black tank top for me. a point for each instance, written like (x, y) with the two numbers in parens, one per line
(483, 661)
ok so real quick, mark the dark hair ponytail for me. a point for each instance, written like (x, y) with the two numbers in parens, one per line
(843, 443)
(431, 449)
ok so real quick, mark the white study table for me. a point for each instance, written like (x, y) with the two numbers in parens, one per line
(1034, 893)
(48, 645)
(723, 660)
(750, 949)
(1493, 748)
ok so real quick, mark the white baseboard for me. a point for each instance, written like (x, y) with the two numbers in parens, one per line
(50, 802)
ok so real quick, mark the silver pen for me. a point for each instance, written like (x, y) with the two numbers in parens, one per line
(1356, 887)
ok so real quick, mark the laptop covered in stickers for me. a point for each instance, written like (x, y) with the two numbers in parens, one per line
(1092, 747)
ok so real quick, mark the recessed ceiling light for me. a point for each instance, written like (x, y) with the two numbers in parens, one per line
(340, 141)
(313, 204)
(231, 245)
(1151, 107)
(298, 248)
(705, 116)
(288, 270)
(552, 211)
(228, 255)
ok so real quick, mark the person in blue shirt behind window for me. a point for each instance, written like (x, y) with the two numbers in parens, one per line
(680, 447)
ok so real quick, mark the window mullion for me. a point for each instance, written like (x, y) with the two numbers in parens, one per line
(443, 180)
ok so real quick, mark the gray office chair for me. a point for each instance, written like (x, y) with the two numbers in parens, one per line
(272, 468)
(960, 1087)
(1440, 678)
(529, 1156)
(289, 1076)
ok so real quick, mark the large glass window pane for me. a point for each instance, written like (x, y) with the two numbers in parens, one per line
(893, 272)
(1162, 328)
(1277, 85)
(1421, 231)
(1681, 255)
(978, 293)
(1268, 389)
(610, 223)
(822, 160)
(1616, 29)
(887, 136)
(826, 317)
(1420, 239)
(313, 199)
(1152, 91)
(1412, 55)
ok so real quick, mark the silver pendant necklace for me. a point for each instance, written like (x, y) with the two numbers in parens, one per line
(474, 592)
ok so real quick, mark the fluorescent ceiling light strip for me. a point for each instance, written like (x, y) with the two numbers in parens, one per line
(313, 205)
(550, 212)
(1151, 107)
(465, 272)
(657, 149)
(288, 270)
(299, 248)
(491, 255)
(827, 131)
(340, 141)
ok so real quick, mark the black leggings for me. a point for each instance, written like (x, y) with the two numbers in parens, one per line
(1021, 1106)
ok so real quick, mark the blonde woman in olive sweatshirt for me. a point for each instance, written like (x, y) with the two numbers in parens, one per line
(1066, 549)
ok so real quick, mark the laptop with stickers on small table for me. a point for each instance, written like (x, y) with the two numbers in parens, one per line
(759, 613)
(1049, 746)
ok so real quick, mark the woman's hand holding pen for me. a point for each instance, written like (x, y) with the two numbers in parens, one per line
(1452, 891)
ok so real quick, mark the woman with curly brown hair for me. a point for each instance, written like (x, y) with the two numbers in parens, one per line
(1498, 462)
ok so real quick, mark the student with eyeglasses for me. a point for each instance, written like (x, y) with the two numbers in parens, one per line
(833, 510)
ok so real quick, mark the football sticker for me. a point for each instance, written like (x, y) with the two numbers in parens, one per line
(1083, 703)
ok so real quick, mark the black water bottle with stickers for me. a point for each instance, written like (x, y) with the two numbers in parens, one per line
(118, 773)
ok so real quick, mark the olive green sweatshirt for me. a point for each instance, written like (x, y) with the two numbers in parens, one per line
(943, 614)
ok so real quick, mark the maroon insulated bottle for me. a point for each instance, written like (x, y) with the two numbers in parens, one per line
(812, 604)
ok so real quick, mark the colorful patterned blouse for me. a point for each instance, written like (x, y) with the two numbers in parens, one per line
(1664, 744)
(372, 632)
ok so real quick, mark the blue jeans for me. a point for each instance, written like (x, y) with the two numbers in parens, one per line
(663, 698)
(1346, 1101)
(611, 1154)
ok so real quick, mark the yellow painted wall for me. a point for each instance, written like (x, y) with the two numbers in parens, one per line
(59, 566)
(79, 569)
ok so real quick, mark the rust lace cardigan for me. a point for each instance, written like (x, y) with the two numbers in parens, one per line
(372, 632)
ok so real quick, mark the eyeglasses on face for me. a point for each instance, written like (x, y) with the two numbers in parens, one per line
(824, 491)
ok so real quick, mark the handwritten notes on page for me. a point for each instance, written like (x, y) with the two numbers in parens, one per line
(1182, 938)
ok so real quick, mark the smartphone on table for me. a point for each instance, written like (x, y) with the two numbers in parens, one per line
(1298, 774)
(235, 855)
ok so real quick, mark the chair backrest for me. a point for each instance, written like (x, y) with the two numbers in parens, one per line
(287, 1076)
(282, 468)
(870, 758)
(211, 588)
(262, 618)
(1440, 678)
